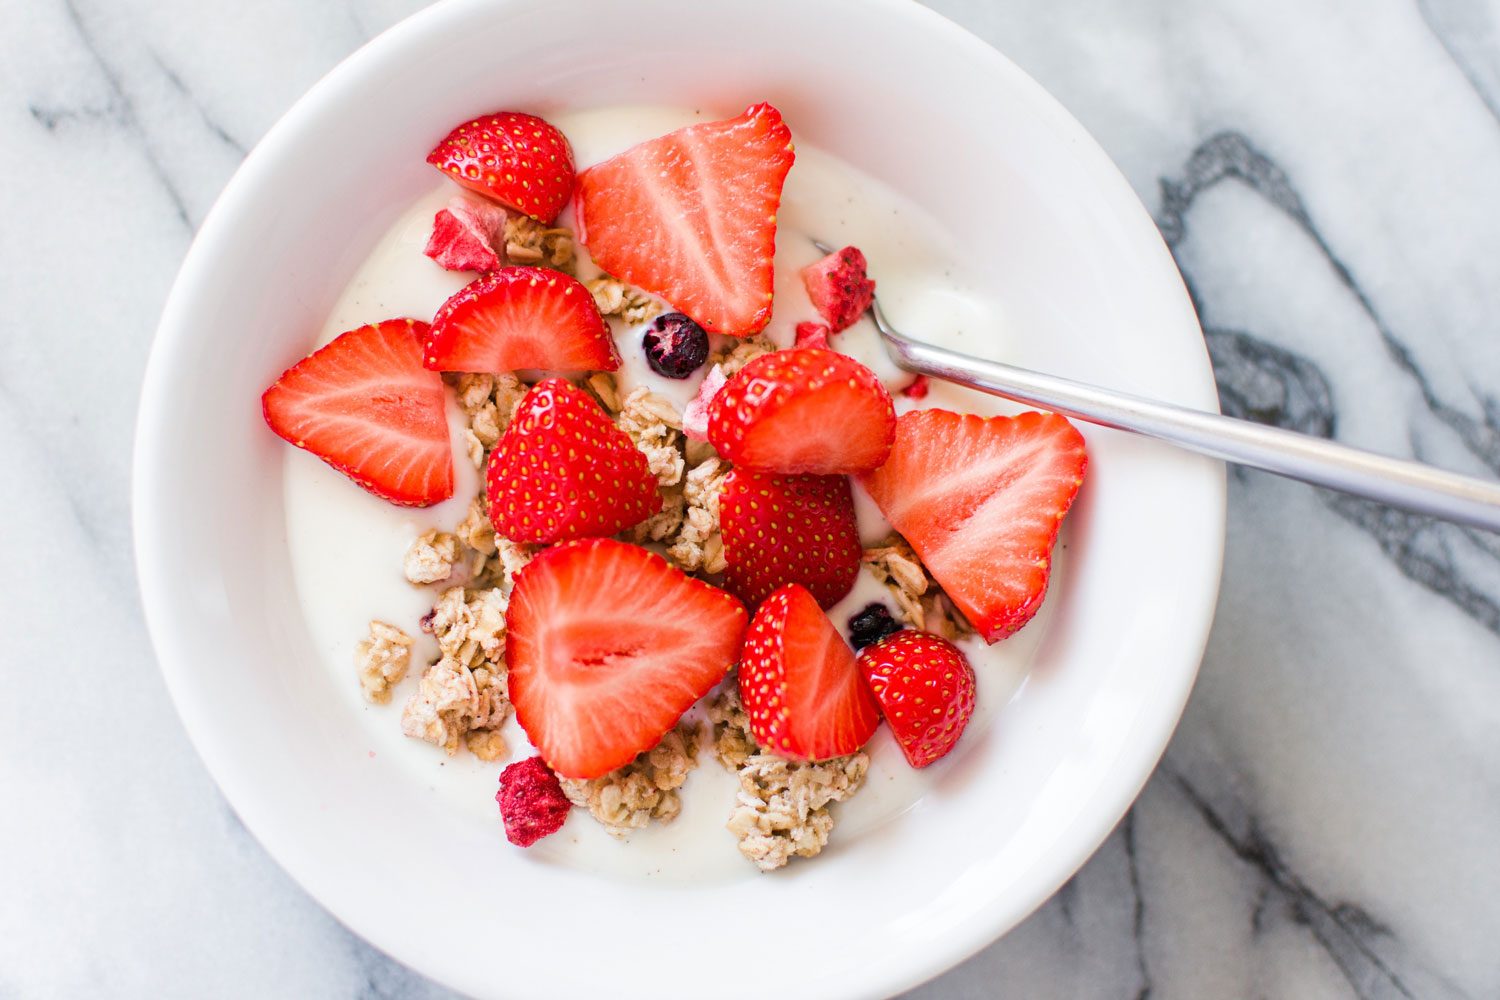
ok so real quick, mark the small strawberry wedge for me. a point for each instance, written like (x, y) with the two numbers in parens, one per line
(691, 216)
(789, 529)
(518, 159)
(365, 405)
(607, 646)
(520, 317)
(563, 470)
(803, 410)
(800, 684)
(925, 688)
(981, 501)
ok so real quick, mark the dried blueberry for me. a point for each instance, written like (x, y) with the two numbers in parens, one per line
(675, 346)
(870, 625)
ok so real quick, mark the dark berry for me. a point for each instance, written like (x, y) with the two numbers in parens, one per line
(532, 802)
(870, 625)
(675, 346)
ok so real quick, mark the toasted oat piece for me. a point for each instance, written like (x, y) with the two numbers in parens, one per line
(527, 241)
(615, 298)
(382, 660)
(920, 602)
(733, 355)
(488, 401)
(645, 789)
(698, 545)
(781, 810)
(430, 557)
(463, 694)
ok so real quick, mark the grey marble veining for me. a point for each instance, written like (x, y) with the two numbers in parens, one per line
(1325, 821)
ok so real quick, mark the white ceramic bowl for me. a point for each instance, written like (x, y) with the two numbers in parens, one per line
(908, 97)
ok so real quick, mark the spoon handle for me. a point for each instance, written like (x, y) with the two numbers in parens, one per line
(1400, 483)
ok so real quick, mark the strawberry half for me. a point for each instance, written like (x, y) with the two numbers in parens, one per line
(925, 688)
(800, 684)
(520, 317)
(981, 501)
(607, 646)
(803, 410)
(365, 405)
(691, 216)
(789, 529)
(517, 159)
(562, 470)
(839, 288)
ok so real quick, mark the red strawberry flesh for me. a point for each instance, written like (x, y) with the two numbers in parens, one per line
(365, 405)
(607, 646)
(981, 501)
(563, 470)
(691, 216)
(839, 287)
(800, 684)
(521, 318)
(803, 410)
(518, 159)
(789, 529)
(812, 335)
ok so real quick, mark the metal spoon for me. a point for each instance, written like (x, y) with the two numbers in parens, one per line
(1394, 481)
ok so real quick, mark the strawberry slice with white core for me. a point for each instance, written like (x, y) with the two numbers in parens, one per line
(521, 317)
(800, 684)
(365, 405)
(803, 410)
(981, 501)
(607, 646)
(691, 216)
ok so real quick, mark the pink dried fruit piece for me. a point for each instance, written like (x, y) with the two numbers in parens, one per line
(916, 388)
(532, 802)
(840, 289)
(812, 335)
(695, 415)
(465, 234)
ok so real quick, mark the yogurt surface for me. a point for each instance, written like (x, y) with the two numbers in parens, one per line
(347, 546)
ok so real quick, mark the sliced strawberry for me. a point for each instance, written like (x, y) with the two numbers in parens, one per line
(691, 216)
(925, 688)
(562, 470)
(695, 414)
(804, 410)
(812, 335)
(465, 234)
(517, 159)
(521, 317)
(789, 529)
(800, 684)
(839, 288)
(607, 646)
(981, 501)
(365, 405)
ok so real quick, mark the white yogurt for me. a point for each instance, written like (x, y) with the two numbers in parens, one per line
(347, 546)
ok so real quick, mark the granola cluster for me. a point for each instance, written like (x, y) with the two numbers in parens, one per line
(488, 401)
(920, 602)
(615, 298)
(529, 242)
(781, 810)
(462, 698)
(382, 659)
(645, 789)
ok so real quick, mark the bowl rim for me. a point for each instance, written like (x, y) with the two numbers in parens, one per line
(151, 533)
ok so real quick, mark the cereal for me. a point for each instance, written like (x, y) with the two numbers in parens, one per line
(920, 602)
(645, 789)
(382, 660)
(615, 298)
(430, 557)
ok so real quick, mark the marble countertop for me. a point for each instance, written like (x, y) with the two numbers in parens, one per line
(1325, 821)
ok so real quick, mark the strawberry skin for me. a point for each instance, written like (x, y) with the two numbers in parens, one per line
(607, 646)
(981, 501)
(691, 216)
(839, 287)
(800, 684)
(517, 159)
(520, 317)
(365, 405)
(803, 410)
(562, 470)
(925, 688)
(789, 529)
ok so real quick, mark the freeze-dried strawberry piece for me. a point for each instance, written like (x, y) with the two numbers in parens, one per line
(695, 415)
(465, 234)
(839, 287)
(812, 335)
(532, 802)
(916, 388)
